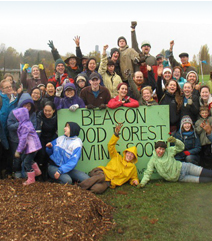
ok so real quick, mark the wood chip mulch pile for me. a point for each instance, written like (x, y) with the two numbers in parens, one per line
(50, 211)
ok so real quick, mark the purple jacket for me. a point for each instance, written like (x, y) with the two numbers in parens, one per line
(66, 102)
(28, 139)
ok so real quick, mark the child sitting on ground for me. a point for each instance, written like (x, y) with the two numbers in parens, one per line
(29, 144)
(65, 152)
(118, 171)
(205, 154)
(171, 170)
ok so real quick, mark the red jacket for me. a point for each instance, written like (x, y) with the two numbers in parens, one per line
(115, 103)
(60, 82)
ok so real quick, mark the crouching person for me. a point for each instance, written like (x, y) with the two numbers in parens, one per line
(65, 152)
(118, 171)
(171, 170)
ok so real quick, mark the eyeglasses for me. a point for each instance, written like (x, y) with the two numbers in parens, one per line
(7, 87)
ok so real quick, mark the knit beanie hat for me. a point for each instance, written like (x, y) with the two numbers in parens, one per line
(145, 42)
(113, 50)
(120, 39)
(59, 61)
(186, 119)
(160, 144)
(194, 72)
(167, 69)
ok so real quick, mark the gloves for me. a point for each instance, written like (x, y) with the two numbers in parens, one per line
(17, 154)
(171, 139)
(102, 106)
(127, 72)
(140, 185)
(59, 90)
(90, 106)
(57, 75)
(26, 66)
(74, 107)
(66, 81)
(137, 60)
(187, 153)
(190, 101)
(51, 45)
(126, 100)
(142, 58)
(133, 24)
(40, 66)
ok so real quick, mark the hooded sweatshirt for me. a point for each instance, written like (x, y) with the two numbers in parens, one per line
(66, 151)
(28, 139)
(12, 123)
(66, 102)
(166, 166)
(118, 170)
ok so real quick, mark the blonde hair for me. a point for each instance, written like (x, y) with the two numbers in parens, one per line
(3, 81)
(147, 88)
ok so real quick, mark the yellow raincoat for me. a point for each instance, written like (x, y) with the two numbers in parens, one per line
(118, 170)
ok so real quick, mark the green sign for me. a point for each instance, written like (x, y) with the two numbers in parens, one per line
(142, 127)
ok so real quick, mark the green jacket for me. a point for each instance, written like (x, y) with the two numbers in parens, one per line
(166, 166)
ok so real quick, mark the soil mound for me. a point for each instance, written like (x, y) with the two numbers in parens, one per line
(50, 211)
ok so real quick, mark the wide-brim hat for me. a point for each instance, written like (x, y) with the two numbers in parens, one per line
(72, 56)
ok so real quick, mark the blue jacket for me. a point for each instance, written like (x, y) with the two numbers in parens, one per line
(191, 142)
(6, 108)
(65, 152)
(12, 123)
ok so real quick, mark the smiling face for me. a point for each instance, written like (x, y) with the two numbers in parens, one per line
(67, 130)
(129, 156)
(167, 76)
(122, 91)
(176, 74)
(160, 151)
(146, 94)
(6, 88)
(115, 56)
(72, 62)
(94, 84)
(204, 114)
(35, 94)
(36, 73)
(50, 89)
(171, 87)
(60, 68)
(187, 126)
(48, 111)
(69, 93)
(205, 94)
(92, 65)
(187, 89)
(138, 78)
(192, 78)
(184, 60)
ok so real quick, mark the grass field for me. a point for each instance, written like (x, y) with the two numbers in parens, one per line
(161, 211)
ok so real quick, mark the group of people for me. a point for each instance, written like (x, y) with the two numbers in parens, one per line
(129, 77)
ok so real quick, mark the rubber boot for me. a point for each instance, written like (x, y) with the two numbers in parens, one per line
(30, 179)
(36, 169)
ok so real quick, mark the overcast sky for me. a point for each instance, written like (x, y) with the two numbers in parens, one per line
(25, 25)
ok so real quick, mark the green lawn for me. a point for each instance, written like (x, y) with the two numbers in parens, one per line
(161, 211)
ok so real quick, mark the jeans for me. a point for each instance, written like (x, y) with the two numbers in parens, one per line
(190, 173)
(28, 160)
(69, 176)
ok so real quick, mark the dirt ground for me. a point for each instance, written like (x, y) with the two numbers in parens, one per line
(50, 211)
